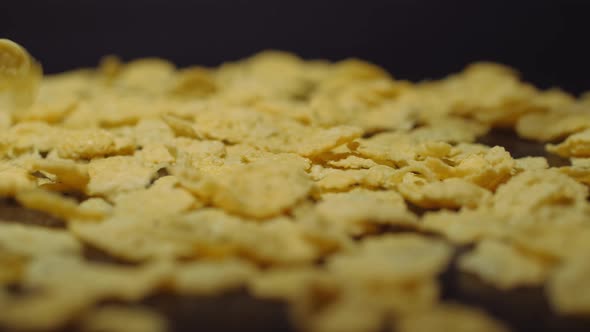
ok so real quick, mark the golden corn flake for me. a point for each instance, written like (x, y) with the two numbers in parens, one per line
(358, 211)
(393, 259)
(568, 289)
(88, 144)
(180, 127)
(193, 152)
(553, 242)
(19, 76)
(51, 111)
(57, 205)
(97, 204)
(261, 189)
(112, 175)
(139, 239)
(5, 120)
(488, 169)
(157, 154)
(530, 163)
(35, 242)
(95, 281)
(393, 147)
(51, 311)
(291, 109)
(152, 131)
(552, 125)
(272, 133)
(580, 174)
(449, 130)
(576, 145)
(118, 318)
(291, 179)
(14, 179)
(286, 242)
(449, 193)
(144, 75)
(332, 179)
(162, 199)
(69, 286)
(449, 317)
(29, 136)
(540, 194)
(205, 278)
(370, 104)
(68, 175)
(466, 226)
(503, 266)
(352, 162)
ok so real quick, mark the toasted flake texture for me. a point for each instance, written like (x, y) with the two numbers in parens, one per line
(14, 179)
(35, 241)
(270, 132)
(552, 125)
(465, 227)
(530, 163)
(117, 174)
(358, 211)
(395, 258)
(352, 162)
(576, 145)
(333, 187)
(85, 144)
(68, 175)
(488, 169)
(142, 203)
(540, 194)
(449, 193)
(568, 288)
(503, 266)
(56, 205)
(261, 189)
(72, 286)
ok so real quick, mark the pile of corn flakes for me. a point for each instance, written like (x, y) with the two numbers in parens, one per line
(294, 180)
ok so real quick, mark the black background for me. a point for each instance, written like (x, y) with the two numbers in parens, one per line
(414, 39)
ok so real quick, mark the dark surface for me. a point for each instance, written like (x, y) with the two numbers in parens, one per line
(547, 40)
(10, 211)
(233, 311)
(520, 147)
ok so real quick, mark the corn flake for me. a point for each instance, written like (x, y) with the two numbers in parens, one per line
(503, 266)
(568, 289)
(117, 174)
